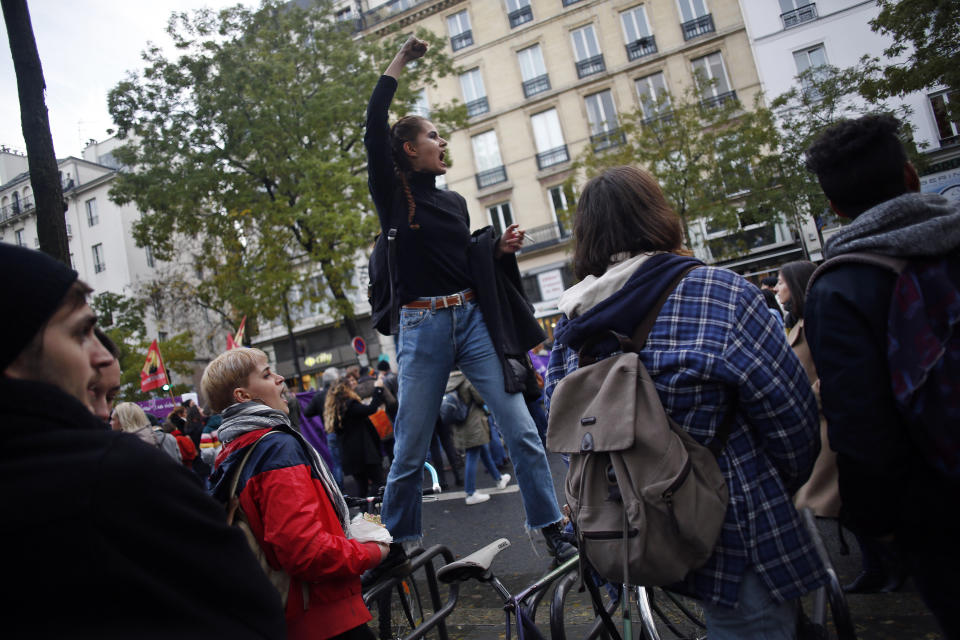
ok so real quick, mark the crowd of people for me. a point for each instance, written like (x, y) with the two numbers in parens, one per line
(234, 524)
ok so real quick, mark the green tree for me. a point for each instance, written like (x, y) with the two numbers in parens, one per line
(823, 96)
(711, 157)
(925, 52)
(121, 318)
(249, 144)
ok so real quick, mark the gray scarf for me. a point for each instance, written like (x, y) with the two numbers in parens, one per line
(911, 225)
(245, 417)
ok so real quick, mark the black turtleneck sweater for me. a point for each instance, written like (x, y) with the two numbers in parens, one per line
(432, 260)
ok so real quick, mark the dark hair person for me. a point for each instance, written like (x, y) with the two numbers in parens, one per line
(713, 351)
(444, 278)
(791, 287)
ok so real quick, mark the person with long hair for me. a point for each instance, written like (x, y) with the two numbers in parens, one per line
(460, 304)
(718, 359)
(345, 414)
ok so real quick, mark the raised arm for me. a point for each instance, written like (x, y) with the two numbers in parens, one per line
(412, 49)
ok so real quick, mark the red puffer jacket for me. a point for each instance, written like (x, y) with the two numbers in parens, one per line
(298, 529)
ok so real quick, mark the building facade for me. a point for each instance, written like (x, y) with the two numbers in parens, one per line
(544, 79)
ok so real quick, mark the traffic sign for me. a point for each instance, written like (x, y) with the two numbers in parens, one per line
(359, 345)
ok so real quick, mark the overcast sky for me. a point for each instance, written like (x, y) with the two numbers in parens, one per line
(86, 47)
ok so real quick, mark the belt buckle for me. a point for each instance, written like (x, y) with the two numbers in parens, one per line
(444, 298)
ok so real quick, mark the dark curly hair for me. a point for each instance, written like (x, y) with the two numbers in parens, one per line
(406, 129)
(859, 163)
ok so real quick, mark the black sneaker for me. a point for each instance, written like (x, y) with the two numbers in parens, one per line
(395, 564)
(560, 549)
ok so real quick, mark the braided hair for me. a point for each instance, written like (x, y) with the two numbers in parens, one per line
(405, 129)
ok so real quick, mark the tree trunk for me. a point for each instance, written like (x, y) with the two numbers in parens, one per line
(293, 341)
(44, 175)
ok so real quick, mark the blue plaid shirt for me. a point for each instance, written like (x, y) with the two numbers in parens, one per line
(714, 337)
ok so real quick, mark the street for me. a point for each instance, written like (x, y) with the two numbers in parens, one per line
(479, 615)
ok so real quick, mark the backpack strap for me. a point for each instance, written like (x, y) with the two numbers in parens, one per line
(391, 274)
(890, 263)
(234, 500)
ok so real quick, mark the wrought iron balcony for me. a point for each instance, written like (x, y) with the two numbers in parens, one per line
(520, 16)
(477, 107)
(536, 85)
(719, 99)
(642, 47)
(656, 117)
(698, 27)
(491, 177)
(607, 139)
(551, 157)
(461, 40)
(544, 236)
(590, 66)
(799, 15)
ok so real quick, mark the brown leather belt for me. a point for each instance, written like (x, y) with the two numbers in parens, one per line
(442, 302)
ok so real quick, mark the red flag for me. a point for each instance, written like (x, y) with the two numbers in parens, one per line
(154, 374)
(238, 336)
(231, 343)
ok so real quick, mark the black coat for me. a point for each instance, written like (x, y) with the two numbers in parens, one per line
(359, 441)
(106, 537)
(506, 311)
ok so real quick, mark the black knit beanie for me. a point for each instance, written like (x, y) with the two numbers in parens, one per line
(34, 285)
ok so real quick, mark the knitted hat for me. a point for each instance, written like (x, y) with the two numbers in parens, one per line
(34, 285)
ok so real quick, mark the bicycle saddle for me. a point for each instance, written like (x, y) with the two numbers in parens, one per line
(474, 565)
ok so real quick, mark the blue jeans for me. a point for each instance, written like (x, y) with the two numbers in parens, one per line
(431, 343)
(494, 446)
(757, 616)
(334, 445)
(470, 468)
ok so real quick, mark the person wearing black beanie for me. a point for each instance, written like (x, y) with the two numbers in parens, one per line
(101, 524)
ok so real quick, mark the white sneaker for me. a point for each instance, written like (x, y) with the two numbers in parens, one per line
(477, 498)
(504, 480)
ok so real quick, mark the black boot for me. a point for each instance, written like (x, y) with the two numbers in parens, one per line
(395, 564)
(560, 549)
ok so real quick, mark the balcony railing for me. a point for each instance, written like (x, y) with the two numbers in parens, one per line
(520, 16)
(491, 177)
(536, 85)
(799, 15)
(656, 117)
(461, 40)
(544, 236)
(698, 27)
(607, 139)
(16, 209)
(551, 157)
(642, 47)
(719, 99)
(590, 66)
(478, 106)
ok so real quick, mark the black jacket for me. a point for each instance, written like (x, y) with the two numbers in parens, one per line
(106, 537)
(506, 311)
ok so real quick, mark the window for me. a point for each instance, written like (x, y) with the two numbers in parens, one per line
(695, 18)
(652, 92)
(486, 153)
(93, 218)
(149, 252)
(500, 216)
(98, 262)
(711, 77)
(949, 130)
(562, 210)
(73, 263)
(18, 237)
(810, 58)
(794, 12)
(636, 33)
(586, 51)
(15, 206)
(604, 130)
(459, 27)
(551, 149)
(421, 106)
(474, 93)
(533, 71)
(519, 12)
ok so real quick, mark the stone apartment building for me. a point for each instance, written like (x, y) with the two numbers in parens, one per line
(544, 79)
